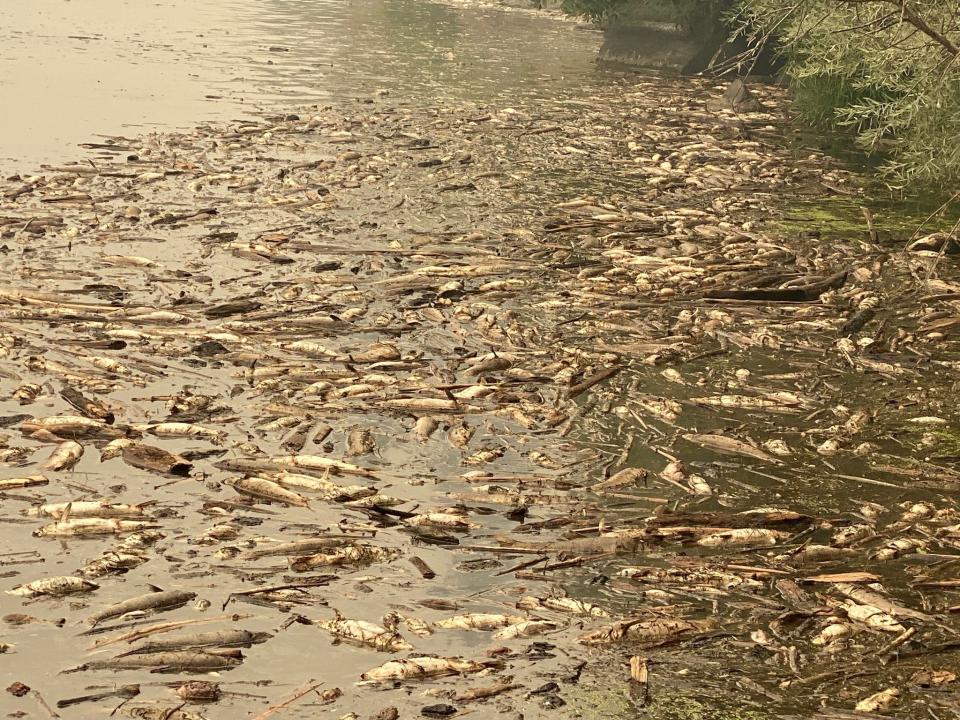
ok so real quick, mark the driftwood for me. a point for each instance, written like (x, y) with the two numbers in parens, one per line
(800, 293)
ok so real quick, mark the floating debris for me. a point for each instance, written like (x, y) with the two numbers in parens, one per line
(580, 369)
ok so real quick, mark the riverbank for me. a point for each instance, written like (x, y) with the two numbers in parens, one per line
(477, 359)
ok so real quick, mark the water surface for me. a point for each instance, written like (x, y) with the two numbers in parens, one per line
(72, 70)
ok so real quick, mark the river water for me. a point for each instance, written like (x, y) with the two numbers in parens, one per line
(492, 279)
(72, 70)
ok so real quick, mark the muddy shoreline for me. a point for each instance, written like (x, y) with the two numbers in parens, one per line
(537, 389)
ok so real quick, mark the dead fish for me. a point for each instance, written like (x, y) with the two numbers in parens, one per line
(263, 489)
(697, 577)
(647, 633)
(360, 441)
(460, 435)
(525, 628)
(775, 402)
(318, 462)
(623, 478)
(660, 408)
(424, 428)
(489, 691)
(832, 633)
(114, 448)
(142, 539)
(448, 520)
(375, 500)
(850, 534)
(698, 485)
(562, 604)
(422, 667)
(24, 482)
(420, 628)
(478, 621)
(878, 701)
(816, 553)
(309, 348)
(15, 455)
(87, 509)
(353, 555)
(475, 392)
(430, 405)
(280, 424)
(297, 547)
(199, 691)
(66, 426)
(113, 562)
(872, 617)
(80, 527)
(325, 488)
(378, 352)
(730, 446)
(487, 365)
(365, 633)
(865, 596)
(743, 536)
(897, 548)
(484, 456)
(128, 261)
(26, 394)
(154, 459)
(187, 430)
(153, 601)
(355, 390)
(53, 587)
(198, 641)
(183, 661)
(86, 406)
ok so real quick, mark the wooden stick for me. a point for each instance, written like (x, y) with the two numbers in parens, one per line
(595, 379)
(886, 653)
(868, 216)
(639, 677)
(274, 709)
(425, 570)
(43, 703)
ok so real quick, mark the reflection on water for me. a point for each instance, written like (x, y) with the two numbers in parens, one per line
(71, 70)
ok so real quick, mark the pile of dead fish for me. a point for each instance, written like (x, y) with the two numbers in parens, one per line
(357, 399)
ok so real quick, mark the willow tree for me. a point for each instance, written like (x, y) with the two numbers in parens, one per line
(888, 69)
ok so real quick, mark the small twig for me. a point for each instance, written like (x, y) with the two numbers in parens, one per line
(885, 652)
(43, 703)
(868, 216)
(310, 686)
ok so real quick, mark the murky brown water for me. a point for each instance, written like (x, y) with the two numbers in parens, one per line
(72, 70)
(491, 204)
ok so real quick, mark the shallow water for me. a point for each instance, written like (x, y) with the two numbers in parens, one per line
(346, 213)
(73, 70)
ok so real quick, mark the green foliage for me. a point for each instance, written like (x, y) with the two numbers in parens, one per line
(820, 97)
(596, 10)
(887, 69)
(683, 12)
